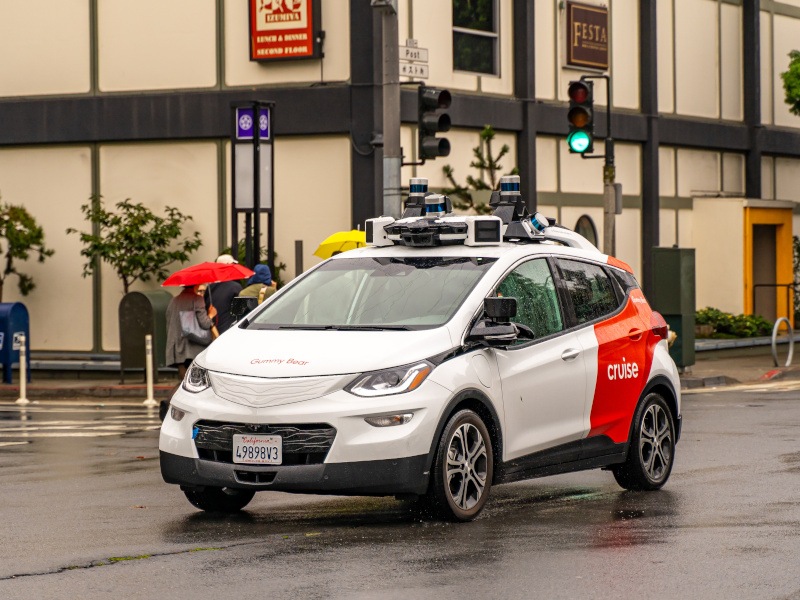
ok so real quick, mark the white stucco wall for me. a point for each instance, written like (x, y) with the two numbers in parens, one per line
(52, 183)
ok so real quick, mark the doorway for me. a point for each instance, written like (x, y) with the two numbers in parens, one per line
(765, 271)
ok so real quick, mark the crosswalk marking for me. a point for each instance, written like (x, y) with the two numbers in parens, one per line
(21, 424)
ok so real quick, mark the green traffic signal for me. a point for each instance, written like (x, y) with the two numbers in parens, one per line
(578, 141)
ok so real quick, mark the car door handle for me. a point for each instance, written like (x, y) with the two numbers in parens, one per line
(635, 334)
(570, 354)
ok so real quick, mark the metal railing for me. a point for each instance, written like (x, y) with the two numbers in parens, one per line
(790, 293)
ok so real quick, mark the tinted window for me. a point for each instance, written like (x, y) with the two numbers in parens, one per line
(537, 300)
(375, 292)
(589, 288)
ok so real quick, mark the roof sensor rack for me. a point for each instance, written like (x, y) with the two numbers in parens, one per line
(428, 221)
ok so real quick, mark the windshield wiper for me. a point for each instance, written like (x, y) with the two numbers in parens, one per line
(373, 327)
(311, 327)
(340, 327)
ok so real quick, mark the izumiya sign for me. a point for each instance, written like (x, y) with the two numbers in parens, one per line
(285, 29)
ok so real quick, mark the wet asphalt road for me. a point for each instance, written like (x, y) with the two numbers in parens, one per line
(86, 515)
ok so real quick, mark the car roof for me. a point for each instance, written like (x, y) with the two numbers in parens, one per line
(504, 250)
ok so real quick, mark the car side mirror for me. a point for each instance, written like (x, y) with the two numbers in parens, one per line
(241, 305)
(500, 309)
(496, 329)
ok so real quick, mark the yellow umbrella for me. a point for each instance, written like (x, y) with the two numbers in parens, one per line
(341, 241)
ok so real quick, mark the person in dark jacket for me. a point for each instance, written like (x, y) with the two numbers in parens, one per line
(260, 285)
(222, 294)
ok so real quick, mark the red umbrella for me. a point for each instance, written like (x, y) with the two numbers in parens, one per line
(208, 272)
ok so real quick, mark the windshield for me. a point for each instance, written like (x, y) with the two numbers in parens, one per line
(375, 293)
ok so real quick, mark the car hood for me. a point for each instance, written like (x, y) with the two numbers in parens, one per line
(301, 353)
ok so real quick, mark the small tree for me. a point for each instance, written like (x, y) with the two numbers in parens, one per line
(791, 83)
(136, 243)
(22, 235)
(487, 164)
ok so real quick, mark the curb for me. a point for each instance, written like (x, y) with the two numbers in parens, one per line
(101, 391)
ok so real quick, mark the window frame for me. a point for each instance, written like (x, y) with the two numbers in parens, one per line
(555, 274)
(493, 35)
(569, 307)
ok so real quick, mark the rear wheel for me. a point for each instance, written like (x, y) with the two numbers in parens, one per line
(652, 448)
(214, 499)
(463, 467)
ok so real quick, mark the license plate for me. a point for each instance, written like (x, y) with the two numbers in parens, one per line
(257, 449)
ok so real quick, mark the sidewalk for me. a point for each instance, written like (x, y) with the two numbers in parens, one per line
(718, 363)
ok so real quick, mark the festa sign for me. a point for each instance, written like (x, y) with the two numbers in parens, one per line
(284, 29)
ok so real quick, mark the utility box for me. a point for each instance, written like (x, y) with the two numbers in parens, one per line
(140, 314)
(674, 297)
(14, 323)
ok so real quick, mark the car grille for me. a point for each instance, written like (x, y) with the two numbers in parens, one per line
(265, 391)
(305, 444)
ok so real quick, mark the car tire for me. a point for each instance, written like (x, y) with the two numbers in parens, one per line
(462, 469)
(221, 500)
(651, 453)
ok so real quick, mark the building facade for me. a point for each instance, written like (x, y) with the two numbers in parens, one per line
(132, 100)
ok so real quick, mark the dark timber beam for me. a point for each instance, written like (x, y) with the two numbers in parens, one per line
(751, 65)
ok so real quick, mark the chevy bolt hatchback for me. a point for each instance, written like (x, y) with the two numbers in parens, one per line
(450, 355)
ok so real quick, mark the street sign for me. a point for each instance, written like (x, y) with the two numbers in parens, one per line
(414, 70)
(413, 60)
(413, 54)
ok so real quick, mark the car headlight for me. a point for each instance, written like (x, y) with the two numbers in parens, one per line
(391, 381)
(196, 379)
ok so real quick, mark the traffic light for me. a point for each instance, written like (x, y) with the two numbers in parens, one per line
(581, 117)
(432, 118)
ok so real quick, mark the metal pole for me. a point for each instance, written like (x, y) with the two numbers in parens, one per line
(609, 175)
(256, 183)
(234, 212)
(298, 257)
(148, 361)
(271, 211)
(23, 371)
(392, 158)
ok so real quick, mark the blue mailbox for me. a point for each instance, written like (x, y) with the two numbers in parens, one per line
(14, 323)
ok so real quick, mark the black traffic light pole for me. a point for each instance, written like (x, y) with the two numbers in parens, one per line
(609, 173)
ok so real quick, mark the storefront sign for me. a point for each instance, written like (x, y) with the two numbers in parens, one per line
(285, 29)
(587, 36)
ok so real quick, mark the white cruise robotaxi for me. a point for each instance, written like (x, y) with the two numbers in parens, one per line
(451, 354)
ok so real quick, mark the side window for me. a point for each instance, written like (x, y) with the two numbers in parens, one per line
(589, 289)
(537, 299)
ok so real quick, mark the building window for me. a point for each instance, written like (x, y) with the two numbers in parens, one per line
(475, 35)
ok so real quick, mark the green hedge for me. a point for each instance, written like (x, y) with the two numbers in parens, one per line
(727, 325)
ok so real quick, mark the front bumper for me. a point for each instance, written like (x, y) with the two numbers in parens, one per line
(328, 447)
(363, 478)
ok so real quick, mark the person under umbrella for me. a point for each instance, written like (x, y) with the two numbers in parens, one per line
(221, 296)
(183, 348)
(260, 285)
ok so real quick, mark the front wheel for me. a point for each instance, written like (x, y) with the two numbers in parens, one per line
(463, 466)
(222, 500)
(652, 448)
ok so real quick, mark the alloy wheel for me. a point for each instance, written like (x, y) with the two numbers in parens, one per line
(467, 464)
(655, 443)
